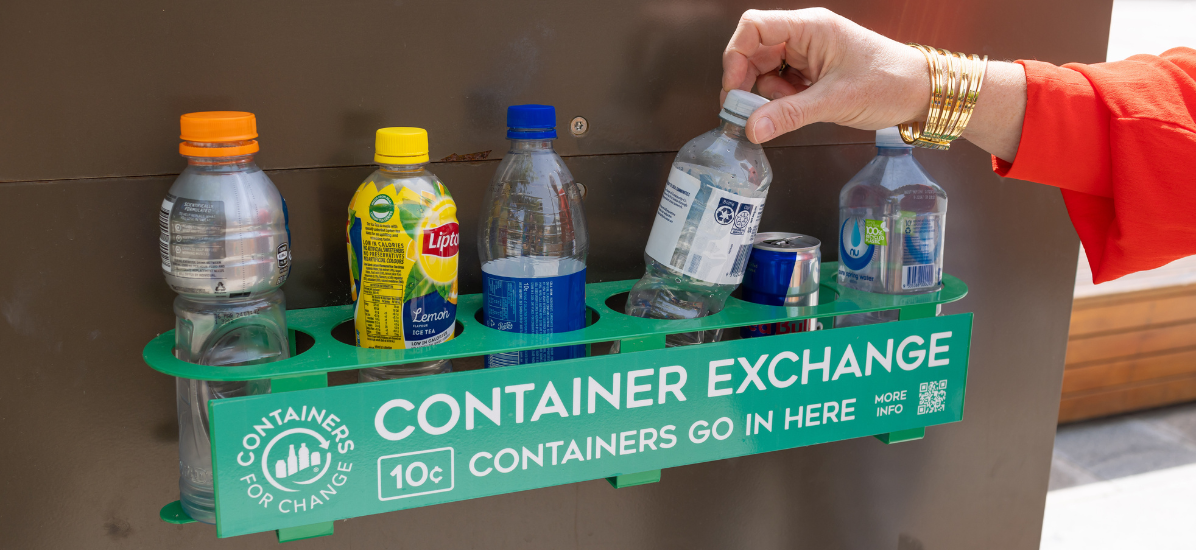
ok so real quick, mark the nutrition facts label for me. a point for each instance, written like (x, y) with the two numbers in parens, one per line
(384, 263)
(192, 238)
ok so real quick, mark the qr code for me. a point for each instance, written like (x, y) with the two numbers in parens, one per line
(932, 397)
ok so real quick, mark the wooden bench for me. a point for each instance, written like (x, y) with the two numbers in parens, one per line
(1129, 352)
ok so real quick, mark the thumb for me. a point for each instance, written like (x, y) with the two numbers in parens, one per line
(787, 114)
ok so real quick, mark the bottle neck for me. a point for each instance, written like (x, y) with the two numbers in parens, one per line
(894, 151)
(732, 130)
(231, 162)
(530, 145)
(403, 170)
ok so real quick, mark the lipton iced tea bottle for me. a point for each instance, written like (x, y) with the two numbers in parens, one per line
(403, 239)
(225, 251)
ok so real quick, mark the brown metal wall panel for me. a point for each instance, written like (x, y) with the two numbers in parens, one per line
(93, 91)
(91, 430)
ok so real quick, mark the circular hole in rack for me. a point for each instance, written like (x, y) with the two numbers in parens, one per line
(346, 334)
(303, 341)
(618, 302)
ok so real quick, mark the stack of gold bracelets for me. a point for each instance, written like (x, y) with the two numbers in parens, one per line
(955, 81)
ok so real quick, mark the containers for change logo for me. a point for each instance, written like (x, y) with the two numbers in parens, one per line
(301, 456)
(854, 252)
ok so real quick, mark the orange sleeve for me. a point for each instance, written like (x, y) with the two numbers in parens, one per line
(1120, 140)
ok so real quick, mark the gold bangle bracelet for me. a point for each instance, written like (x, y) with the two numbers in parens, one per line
(965, 80)
(955, 82)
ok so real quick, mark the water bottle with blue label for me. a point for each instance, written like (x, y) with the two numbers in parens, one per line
(705, 224)
(892, 219)
(532, 241)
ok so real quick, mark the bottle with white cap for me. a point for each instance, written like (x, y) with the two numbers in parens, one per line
(705, 223)
(892, 219)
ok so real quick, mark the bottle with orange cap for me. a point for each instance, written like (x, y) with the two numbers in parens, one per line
(403, 240)
(225, 250)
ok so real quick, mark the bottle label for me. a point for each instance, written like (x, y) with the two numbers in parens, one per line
(864, 245)
(403, 263)
(539, 305)
(719, 248)
(922, 240)
(874, 233)
(192, 238)
(858, 239)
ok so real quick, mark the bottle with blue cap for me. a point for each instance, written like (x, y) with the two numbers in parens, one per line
(892, 220)
(532, 240)
(705, 223)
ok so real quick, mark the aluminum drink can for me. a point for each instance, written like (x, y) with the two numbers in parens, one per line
(782, 270)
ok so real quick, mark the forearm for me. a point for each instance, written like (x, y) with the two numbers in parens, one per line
(996, 124)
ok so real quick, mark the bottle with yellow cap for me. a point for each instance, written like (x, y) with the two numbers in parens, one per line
(225, 250)
(403, 238)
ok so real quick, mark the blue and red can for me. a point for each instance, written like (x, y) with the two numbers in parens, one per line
(782, 270)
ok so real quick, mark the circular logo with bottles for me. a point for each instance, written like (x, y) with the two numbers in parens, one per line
(382, 208)
(854, 252)
(439, 239)
(301, 455)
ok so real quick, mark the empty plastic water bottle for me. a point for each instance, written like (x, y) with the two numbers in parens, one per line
(705, 223)
(532, 240)
(892, 220)
(226, 251)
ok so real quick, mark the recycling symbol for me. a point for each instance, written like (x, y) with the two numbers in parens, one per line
(724, 215)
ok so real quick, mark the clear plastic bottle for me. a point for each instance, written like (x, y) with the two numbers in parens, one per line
(705, 224)
(405, 284)
(892, 223)
(226, 251)
(532, 240)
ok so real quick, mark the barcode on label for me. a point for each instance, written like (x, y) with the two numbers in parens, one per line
(695, 261)
(740, 260)
(164, 239)
(165, 249)
(918, 276)
(505, 359)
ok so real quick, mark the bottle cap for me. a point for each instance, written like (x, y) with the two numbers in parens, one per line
(531, 122)
(401, 146)
(218, 127)
(891, 138)
(740, 105)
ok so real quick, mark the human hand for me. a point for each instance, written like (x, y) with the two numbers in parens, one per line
(837, 72)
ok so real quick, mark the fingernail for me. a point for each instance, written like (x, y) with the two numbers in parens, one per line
(764, 129)
(777, 95)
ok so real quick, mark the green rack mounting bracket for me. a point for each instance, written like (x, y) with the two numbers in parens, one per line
(305, 455)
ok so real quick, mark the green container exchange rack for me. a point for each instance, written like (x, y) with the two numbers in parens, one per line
(298, 458)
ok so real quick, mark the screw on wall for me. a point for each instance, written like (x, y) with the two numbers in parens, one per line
(579, 126)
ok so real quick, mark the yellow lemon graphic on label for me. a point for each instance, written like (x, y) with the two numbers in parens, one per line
(438, 239)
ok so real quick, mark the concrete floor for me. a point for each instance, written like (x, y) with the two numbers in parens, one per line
(1124, 482)
(1108, 449)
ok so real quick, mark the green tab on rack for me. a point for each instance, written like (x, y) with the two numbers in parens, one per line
(311, 456)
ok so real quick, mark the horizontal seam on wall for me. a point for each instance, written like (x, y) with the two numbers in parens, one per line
(434, 163)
